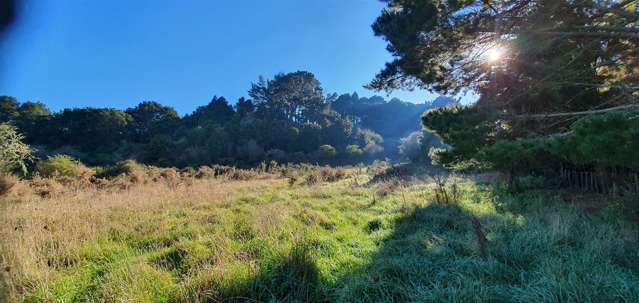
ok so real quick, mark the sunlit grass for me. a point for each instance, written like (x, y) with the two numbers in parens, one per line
(264, 240)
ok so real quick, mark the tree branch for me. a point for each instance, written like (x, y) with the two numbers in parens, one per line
(588, 112)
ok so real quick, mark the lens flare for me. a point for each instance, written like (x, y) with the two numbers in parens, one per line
(495, 54)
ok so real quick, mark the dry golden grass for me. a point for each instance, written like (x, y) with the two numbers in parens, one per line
(44, 232)
(6, 184)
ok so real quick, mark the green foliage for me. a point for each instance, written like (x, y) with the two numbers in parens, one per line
(151, 118)
(601, 141)
(127, 167)
(550, 62)
(287, 120)
(327, 151)
(14, 154)
(608, 140)
(295, 98)
(60, 165)
(443, 46)
(381, 115)
(8, 109)
(354, 151)
(465, 129)
(515, 155)
(92, 129)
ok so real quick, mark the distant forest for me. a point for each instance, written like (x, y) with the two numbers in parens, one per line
(287, 119)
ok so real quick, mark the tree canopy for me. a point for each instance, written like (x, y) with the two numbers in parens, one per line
(528, 59)
(288, 118)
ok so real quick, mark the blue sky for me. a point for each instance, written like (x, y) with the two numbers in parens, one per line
(77, 53)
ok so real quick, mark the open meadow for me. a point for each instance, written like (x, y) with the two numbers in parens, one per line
(309, 234)
(187, 151)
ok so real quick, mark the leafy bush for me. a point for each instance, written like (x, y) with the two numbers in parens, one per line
(327, 151)
(354, 151)
(127, 167)
(204, 172)
(608, 140)
(465, 129)
(515, 156)
(601, 141)
(63, 166)
(13, 152)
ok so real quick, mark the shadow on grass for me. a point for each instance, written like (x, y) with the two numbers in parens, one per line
(289, 278)
(541, 252)
(537, 251)
(429, 250)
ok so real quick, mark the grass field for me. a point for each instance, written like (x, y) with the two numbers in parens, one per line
(265, 240)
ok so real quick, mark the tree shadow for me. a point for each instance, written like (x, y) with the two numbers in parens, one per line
(432, 254)
(429, 249)
(541, 252)
(293, 277)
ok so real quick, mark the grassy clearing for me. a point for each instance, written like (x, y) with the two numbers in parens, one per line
(264, 240)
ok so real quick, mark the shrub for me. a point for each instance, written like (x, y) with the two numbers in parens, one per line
(315, 175)
(327, 151)
(63, 166)
(204, 172)
(312, 179)
(171, 177)
(367, 136)
(13, 152)
(386, 188)
(378, 167)
(126, 167)
(331, 174)
(354, 151)
(242, 174)
(47, 188)
(221, 170)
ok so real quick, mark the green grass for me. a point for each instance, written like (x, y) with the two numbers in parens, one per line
(334, 243)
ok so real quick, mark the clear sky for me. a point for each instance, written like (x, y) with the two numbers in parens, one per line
(76, 53)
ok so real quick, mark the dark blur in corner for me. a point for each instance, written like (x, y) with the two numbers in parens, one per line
(7, 15)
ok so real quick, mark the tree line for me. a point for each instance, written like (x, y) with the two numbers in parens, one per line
(287, 119)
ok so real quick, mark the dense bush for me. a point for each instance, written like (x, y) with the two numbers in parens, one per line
(13, 152)
(465, 129)
(127, 167)
(600, 141)
(354, 151)
(607, 140)
(62, 166)
(327, 151)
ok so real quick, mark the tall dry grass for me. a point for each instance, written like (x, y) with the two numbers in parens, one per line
(43, 233)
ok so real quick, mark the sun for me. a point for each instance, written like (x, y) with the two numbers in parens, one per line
(495, 54)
